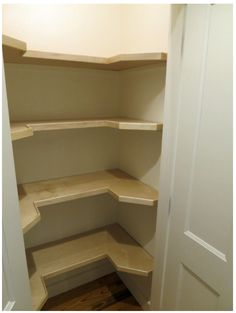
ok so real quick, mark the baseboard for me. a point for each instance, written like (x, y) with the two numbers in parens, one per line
(140, 287)
(76, 278)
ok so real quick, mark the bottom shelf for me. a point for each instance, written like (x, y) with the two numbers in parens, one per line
(62, 256)
(106, 293)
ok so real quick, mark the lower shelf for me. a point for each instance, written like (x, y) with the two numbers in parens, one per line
(58, 257)
(118, 184)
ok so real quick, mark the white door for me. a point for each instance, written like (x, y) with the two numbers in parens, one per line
(197, 262)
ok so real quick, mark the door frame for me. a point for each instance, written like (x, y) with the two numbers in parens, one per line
(171, 111)
(15, 281)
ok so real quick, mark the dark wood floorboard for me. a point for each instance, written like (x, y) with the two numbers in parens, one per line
(107, 293)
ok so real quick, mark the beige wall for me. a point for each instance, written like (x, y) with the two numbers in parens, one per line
(74, 29)
(66, 219)
(97, 29)
(42, 92)
(142, 96)
(144, 27)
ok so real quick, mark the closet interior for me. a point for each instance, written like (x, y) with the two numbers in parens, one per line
(86, 134)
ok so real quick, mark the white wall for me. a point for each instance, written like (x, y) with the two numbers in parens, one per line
(144, 27)
(96, 30)
(42, 92)
(66, 219)
(73, 29)
(142, 96)
(137, 93)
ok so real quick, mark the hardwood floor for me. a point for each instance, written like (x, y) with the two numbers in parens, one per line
(104, 294)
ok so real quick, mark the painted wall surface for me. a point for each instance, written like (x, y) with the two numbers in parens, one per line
(70, 218)
(144, 27)
(89, 29)
(74, 29)
(42, 93)
(142, 97)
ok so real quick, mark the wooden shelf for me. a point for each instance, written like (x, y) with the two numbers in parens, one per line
(20, 131)
(112, 242)
(15, 51)
(25, 129)
(118, 184)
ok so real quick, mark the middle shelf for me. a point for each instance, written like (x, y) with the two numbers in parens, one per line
(18, 128)
(118, 184)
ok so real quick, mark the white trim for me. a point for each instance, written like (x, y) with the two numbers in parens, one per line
(206, 245)
(171, 113)
(9, 306)
(15, 268)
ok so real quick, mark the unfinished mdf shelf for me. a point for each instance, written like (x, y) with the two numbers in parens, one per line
(118, 184)
(15, 51)
(20, 131)
(25, 129)
(111, 242)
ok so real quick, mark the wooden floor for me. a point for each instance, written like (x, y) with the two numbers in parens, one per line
(104, 294)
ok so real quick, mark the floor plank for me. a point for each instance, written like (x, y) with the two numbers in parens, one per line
(107, 293)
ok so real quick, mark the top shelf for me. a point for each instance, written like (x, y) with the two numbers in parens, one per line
(15, 51)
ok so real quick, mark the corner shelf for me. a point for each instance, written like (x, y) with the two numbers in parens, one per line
(20, 131)
(111, 242)
(15, 51)
(25, 129)
(118, 184)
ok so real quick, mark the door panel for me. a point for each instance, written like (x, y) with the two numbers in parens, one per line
(203, 297)
(198, 272)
